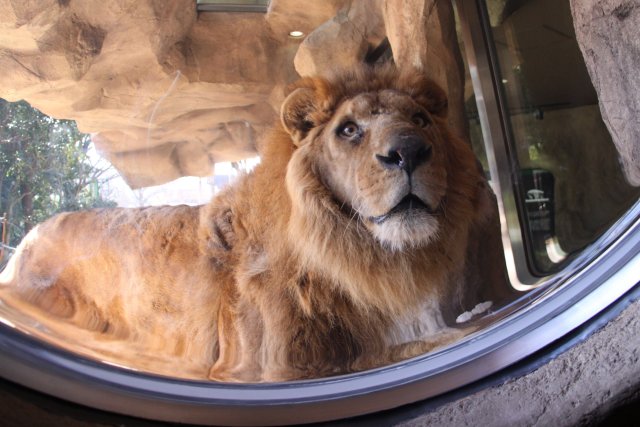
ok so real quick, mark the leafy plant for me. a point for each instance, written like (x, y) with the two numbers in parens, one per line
(44, 169)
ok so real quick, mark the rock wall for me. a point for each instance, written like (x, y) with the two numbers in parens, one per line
(423, 35)
(168, 92)
(607, 31)
(165, 91)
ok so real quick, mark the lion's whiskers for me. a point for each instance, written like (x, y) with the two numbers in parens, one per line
(354, 214)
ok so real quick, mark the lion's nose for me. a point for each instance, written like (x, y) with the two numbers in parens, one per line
(409, 152)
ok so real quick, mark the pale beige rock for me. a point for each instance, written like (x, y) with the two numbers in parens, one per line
(167, 92)
(285, 16)
(315, 57)
(423, 35)
(152, 79)
(343, 40)
(607, 32)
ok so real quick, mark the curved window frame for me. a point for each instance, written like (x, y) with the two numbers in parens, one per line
(548, 315)
(591, 282)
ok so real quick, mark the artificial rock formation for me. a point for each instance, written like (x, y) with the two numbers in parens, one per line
(168, 92)
(607, 31)
(165, 91)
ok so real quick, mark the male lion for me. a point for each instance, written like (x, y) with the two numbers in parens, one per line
(344, 250)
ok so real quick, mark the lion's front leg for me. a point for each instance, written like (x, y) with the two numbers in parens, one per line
(279, 335)
(240, 332)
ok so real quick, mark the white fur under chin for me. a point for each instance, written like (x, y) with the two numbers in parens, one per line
(402, 232)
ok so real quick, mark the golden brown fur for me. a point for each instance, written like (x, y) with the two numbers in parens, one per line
(297, 270)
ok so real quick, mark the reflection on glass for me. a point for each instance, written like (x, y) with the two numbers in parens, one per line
(97, 328)
(571, 187)
(254, 286)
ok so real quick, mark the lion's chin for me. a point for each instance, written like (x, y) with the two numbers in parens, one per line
(406, 230)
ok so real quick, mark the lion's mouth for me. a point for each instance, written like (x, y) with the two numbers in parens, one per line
(408, 203)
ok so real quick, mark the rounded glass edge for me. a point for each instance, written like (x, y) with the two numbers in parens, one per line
(585, 291)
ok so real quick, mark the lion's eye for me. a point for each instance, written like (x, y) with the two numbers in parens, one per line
(349, 130)
(419, 119)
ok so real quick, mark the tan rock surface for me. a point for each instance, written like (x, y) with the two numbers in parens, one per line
(344, 39)
(607, 31)
(165, 91)
(168, 92)
(423, 35)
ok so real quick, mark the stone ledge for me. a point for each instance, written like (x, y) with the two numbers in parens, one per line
(579, 387)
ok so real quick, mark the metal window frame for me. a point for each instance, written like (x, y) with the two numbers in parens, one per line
(503, 163)
(220, 7)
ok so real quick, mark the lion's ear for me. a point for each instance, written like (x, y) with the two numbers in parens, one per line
(435, 100)
(296, 111)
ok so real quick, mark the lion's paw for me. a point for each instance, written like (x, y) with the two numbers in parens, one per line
(221, 232)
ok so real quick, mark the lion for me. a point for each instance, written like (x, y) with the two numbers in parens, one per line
(347, 247)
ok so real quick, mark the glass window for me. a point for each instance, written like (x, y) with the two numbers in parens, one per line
(558, 184)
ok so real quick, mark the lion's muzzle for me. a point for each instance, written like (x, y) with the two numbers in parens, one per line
(408, 151)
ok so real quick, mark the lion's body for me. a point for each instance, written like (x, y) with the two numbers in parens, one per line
(297, 270)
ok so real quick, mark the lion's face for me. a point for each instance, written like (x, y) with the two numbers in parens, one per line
(380, 157)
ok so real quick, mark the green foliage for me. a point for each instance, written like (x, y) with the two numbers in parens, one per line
(44, 169)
